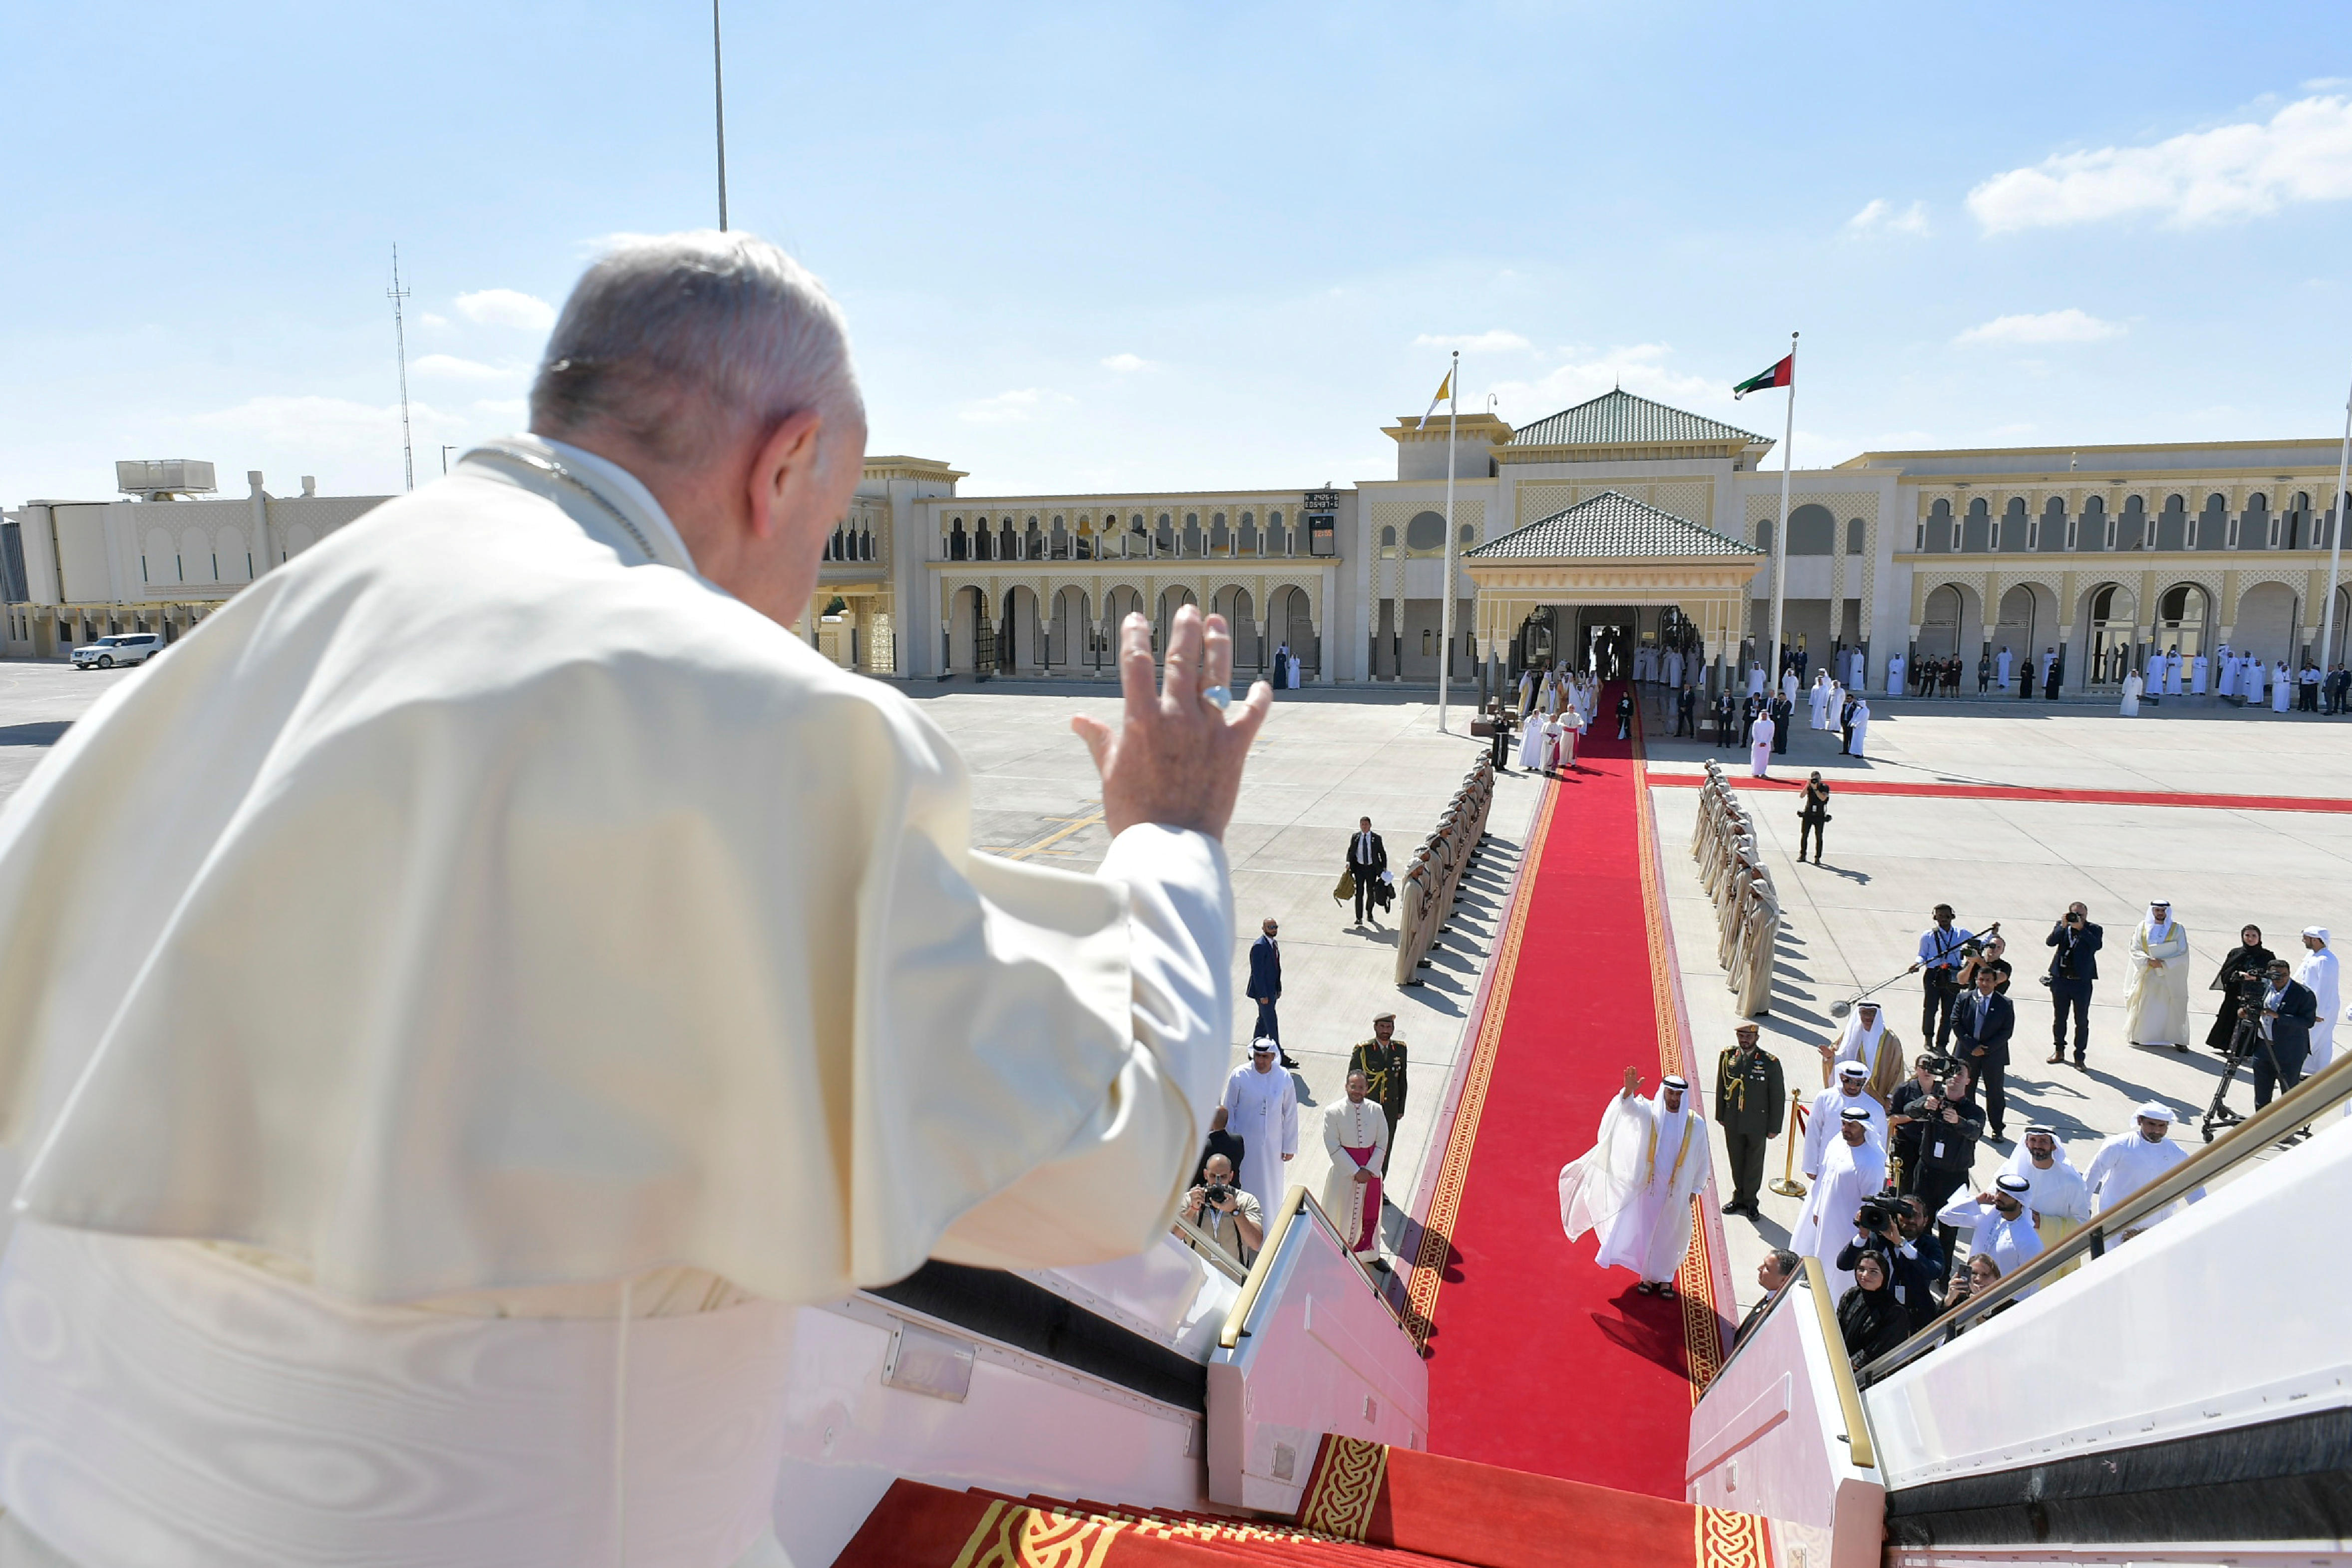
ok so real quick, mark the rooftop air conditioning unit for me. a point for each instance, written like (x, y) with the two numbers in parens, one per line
(164, 478)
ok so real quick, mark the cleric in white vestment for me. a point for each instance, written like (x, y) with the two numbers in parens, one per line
(531, 972)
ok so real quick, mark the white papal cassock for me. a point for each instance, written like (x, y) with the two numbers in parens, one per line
(1262, 1110)
(1635, 1185)
(495, 911)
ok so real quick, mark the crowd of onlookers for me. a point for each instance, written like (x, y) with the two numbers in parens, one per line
(1894, 1190)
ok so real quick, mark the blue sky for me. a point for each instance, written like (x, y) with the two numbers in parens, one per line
(1089, 248)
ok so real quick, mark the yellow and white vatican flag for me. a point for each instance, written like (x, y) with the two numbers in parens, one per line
(1444, 391)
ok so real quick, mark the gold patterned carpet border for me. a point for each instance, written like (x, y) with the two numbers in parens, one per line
(1461, 1139)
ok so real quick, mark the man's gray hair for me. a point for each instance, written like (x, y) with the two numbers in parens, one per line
(683, 341)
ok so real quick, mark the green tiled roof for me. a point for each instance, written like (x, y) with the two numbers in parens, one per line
(1621, 419)
(1610, 525)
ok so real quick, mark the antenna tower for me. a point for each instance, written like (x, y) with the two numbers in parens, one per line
(397, 294)
(719, 104)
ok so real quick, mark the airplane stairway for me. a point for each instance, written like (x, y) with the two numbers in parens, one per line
(1364, 1503)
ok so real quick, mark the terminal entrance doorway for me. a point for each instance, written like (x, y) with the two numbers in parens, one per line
(1606, 636)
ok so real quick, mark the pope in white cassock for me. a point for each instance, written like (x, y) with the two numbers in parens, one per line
(531, 973)
(1261, 1107)
(1633, 1187)
(1852, 1169)
(1356, 1136)
(2155, 1008)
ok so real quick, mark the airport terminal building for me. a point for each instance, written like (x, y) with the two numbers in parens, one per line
(1621, 517)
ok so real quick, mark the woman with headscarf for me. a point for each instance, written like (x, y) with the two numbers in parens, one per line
(1870, 1319)
(2248, 958)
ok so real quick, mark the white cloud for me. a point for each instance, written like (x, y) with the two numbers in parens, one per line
(1494, 343)
(450, 367)
(2067, 326)
(436, 323)
(1124, 364)
(1881, 215)
(507, 307)
(1015, 407)
(2302, 153)
(1638, 368)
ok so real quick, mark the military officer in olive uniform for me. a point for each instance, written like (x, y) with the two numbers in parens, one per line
(1749, 1100)
(1381, 1061)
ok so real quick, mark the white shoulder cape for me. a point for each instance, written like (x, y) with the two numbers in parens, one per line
(476, 902)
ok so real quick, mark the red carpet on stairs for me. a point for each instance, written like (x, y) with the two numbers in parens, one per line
(1540, 1360)
(1364, 1503)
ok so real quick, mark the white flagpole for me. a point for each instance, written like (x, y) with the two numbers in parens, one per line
(1445, 615)
(1780, 528)
(2335, 541)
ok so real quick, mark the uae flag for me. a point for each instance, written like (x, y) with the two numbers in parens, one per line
(1781, 375)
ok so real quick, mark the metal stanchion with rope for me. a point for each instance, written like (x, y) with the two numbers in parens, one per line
(1788, 1187)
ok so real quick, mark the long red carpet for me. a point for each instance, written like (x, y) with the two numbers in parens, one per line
(1788, 779)
(1539, 1358)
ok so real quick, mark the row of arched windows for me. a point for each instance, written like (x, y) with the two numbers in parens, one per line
(2173, 525)
(1044, 536)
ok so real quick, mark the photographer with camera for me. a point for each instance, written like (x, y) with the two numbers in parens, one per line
(1904, 1117)
(1878, 1230)
(2284, 1014)
(1951, 1125)
(1235, 1222)
(2073, 968)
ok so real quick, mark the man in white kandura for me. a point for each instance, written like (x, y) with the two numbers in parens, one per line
(1356, 1136)
(1260, 1106)
(2129, 1161)
(1755, 680)
(1853, 1168)
(1760, 745)
(1857, 743)
(2156, 1008)
(536, 972)
(1824, 1122)
(2003, 671)
(1820, 697)
(1634, 1185)
(1868, 1041)
(1894, 675)
(2055, 1191)
(2318, 971)
(2000, 1223)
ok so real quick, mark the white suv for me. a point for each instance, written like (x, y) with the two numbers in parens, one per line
(129, 648)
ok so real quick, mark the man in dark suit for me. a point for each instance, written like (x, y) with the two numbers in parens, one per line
(2073, 968)
(1782, 710)
(1266, 987)
(1779, 1267)
(1982, 1025)
(2289, 1009)
(1367, 858)
(1685, 705)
